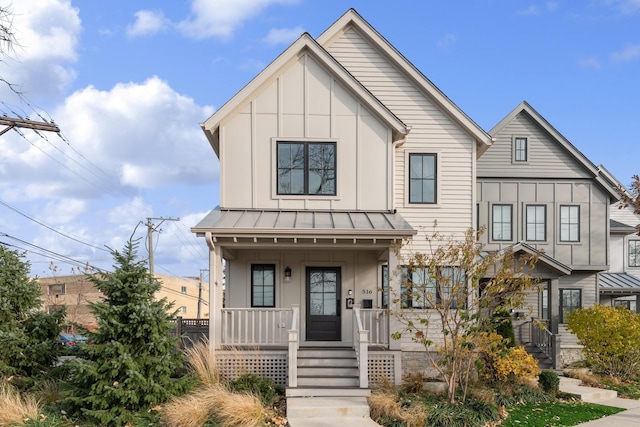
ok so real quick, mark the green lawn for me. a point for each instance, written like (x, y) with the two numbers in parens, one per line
(556, 414)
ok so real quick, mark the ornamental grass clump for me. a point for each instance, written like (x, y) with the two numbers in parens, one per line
(16, 409)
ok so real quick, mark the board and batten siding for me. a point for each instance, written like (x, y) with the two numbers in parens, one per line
(432, 131)
(304, 102)
(588, 282)
(546, 158)
(590, 250)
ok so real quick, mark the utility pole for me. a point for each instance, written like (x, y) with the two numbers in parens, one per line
(11, 123)
(151, 227)
(202, 270)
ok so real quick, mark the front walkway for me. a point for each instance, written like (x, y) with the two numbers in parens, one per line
(329, 412)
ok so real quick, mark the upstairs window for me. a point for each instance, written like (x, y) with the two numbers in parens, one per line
(501, 221)
(183, 289)
(569, 223)
(520, 149)
(307, 168)
(421, 288)
(634, 253)
(422, 178)
(536, 223)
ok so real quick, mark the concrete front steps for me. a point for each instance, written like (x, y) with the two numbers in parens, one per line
(588, 394)
(328, 392)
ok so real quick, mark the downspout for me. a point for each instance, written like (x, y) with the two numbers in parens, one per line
(215, 313)
(396, 144)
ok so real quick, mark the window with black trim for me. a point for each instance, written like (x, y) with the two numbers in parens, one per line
(570, 300)
(520, 149)
(263, 285)
(422, 178)
(306, 168)
(569, 223)
(634, 253)
(420, 288)
(544, 302)
(536, 223)
(501, 222)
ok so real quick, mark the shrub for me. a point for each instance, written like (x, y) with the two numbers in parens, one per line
(610, 338)
(517, 364)
(263, 388)
(550, 382)
(503, 326)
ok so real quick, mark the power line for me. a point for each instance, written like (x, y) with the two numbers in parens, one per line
(24, 214)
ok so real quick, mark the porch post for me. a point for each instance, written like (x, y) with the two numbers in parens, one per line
(394, 292)
(216, 294)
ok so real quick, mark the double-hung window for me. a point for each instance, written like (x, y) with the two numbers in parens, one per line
(263, 285)
(569, 223)
(422, 178)
(634, 253)
(570, 300)
(520, 149)
(421, 288)
(536, 223)
(306, 168)
(501, 222)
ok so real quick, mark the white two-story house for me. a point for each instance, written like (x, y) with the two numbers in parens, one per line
(336, 153)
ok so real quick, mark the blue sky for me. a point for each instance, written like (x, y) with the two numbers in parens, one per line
(128, 82)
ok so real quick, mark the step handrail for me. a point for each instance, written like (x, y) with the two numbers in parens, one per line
(361, 347)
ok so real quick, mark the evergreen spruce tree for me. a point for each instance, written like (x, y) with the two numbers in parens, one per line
(27, 335)
(132, 362)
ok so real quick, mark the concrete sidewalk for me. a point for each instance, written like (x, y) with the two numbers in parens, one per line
(628, 418)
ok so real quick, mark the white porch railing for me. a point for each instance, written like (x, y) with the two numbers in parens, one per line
(376, 321)
(256, 326)
(361, 346)
(294, 343)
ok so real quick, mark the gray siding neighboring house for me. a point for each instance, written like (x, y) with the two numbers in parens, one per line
(535, 187)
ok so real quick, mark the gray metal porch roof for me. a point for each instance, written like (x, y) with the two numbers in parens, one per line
(357, 223)
(618, 283)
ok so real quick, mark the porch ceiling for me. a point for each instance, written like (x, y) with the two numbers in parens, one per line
(618, 283)
(300, 227)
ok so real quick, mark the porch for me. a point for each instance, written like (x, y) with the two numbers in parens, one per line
(267, 341)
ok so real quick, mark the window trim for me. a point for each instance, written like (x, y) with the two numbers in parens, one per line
(306, 143)
(435, 178)
(636, 243)
(271, 267)
(62, 287)
(526, 222)
(561, 313)
(560, 224)
(493, 223)
(515, 150)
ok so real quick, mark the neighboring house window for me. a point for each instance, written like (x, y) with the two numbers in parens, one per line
(183, 289)
(536, 223)
(422, 178)
(520, 149)
(634, 253)
(569, 223)
(385, 286)
(57, 289)
(263, 285)
(628, 304)
(544, 303)
(501, 222)
(183, 309)
(420, 289)
(307, 168)
(54, 307)
(570, 300)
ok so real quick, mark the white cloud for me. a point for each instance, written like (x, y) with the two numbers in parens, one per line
(220, 18)
(627, 7)
(590, 62)
(529, 11)
(629, 53)
(277, 36)
(134, 136)
(47, 33)
(147, 23)
(62, 211)
(447, 41)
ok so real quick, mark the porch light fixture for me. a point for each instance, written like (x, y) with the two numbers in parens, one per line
(287, 274)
